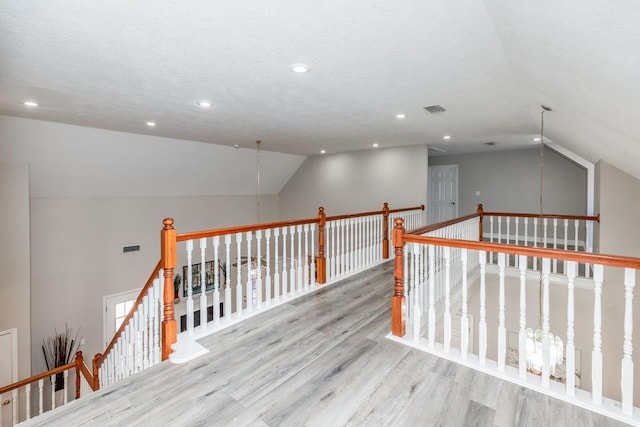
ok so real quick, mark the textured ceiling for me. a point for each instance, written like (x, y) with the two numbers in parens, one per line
(117, 64)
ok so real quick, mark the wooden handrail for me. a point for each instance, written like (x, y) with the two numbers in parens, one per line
(242, 229)
(566, 255)
(100, 359)
(548, 216)
(355, 215)
(415, 208)
(77, 363)
(443, 224)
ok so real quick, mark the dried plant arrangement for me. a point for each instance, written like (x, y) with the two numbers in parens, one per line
(59, 350)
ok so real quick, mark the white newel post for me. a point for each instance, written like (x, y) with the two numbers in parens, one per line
(447, 299)
(596, 354)
(482, 326)
(627, 360)
(571, 352)
(546, 355)
(522, 335)
(464, 321)
(432, 296)
(502, 330)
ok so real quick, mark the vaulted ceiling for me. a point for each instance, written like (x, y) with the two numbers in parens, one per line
(491, 64)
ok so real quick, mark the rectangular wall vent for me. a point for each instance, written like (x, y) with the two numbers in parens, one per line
(133, 248)
(435, 109)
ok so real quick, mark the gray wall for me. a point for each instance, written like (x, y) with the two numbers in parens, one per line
(356, 181)
(509, 181)
(14, 259)
(619, 202)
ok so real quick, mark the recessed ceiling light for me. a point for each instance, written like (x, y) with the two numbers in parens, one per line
(536, 139)
(376, 145)
(204, 104)
(401, 116)
(151, 124)
(323, 151)
(447, 137)
(31, 104)
(300, 68)
(236, 146)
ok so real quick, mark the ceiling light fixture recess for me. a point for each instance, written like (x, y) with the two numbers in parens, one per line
(300, 68)
(151, 124)
(401, 116)
(31, 104)
(446, 137)
(323, 151)
(204, 104)
(376, 145)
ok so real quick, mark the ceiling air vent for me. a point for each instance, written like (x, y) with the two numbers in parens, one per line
(490, 143)
(435, 109)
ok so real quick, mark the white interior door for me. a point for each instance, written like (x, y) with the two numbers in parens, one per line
(8, 372)
(116, 308)
(443, 193)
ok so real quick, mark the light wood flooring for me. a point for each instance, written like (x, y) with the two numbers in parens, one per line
(321, 360)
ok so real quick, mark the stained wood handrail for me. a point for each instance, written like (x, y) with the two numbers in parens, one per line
(415, 208)
(100, 357)
(242, 229)
(560, 254)
(77, 363)
(548, 216)
(443, 224)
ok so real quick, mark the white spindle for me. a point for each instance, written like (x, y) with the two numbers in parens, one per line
(276, 269)
(285, 273)
(250, 283)
(306, 276)
(517, 240)
(28, 402)
(40, 395)
(464, 321)
(313, 255)
(502, 330)
(535, 242)
(566, 241)
(416, 296)
(627, 360)
(227, 288)
(189, 305)
(526, 230)
(203, 284)
(258, 279)
(15, 405)
(146, 331)
(52, 378)
(522, 336)
(267, 237)
(65, 376)
(239, 295)
(491, 238)
(292, 271)
(331, 232)
(216, 279)
(546, 368)
(555, 243)
(570, 357)
(300, 269)
(447, 299)
(432, 306)
(596, 354)
(499, 229)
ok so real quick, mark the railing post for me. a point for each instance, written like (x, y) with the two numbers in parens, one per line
(480, 212)
(398, 326)
(79, 361)
(321, 262)
(168, 257)
(385, 231)
(96, 371)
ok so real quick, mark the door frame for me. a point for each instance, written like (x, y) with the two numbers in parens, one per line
(429, 193)
(107, 315)
(14, 361)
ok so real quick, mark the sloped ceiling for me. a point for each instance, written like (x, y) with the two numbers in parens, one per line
(117, 64)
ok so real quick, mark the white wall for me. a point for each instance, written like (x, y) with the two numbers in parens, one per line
(356, 182)
(14, 259)
(509, 181)
(90, 192)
